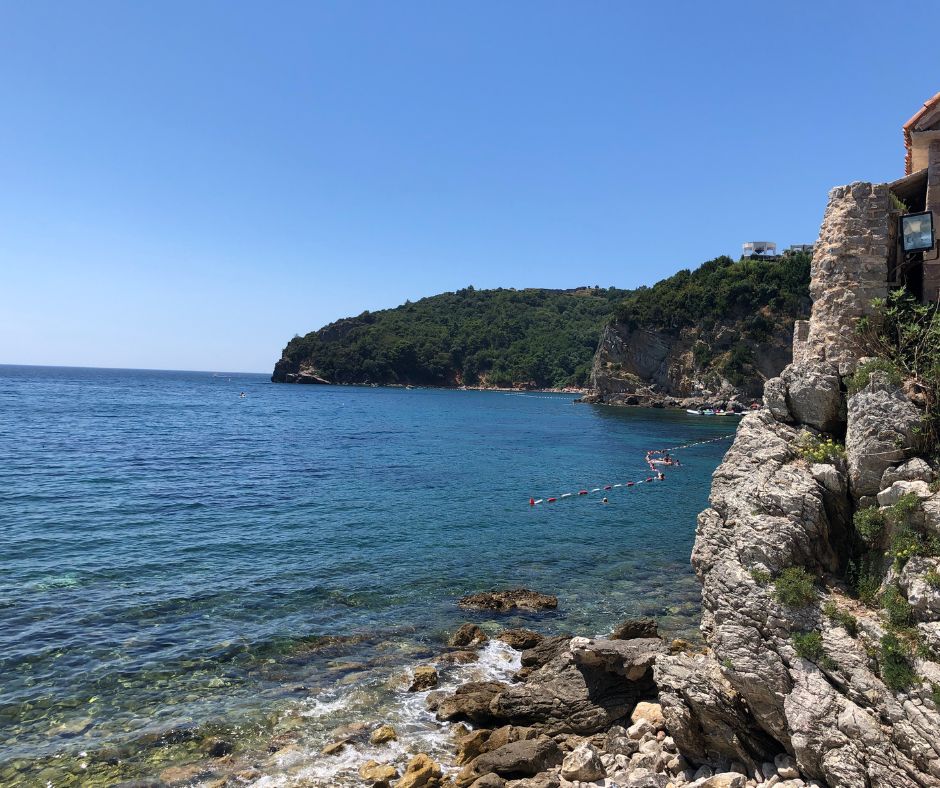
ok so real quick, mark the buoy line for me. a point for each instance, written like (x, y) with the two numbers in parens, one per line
(654, 457)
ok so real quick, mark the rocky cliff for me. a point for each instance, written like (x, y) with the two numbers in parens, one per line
(643, 366)
(819, 564)
(713, 335)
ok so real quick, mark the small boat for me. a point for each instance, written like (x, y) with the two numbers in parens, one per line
(694, 412)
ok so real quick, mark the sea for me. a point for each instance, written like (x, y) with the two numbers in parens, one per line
(206, 571)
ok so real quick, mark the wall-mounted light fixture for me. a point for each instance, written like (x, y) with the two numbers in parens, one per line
(917, 232)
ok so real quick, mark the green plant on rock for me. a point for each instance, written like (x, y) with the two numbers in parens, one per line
(841, 617)
(862, 375)
(897, 672)
(794, 587)
(809, 645)
(870, 524)
(899, 610)
(935, 694)
(905, 336)
(864, 576)
(933, 578)
(818, 449)
(761, 577)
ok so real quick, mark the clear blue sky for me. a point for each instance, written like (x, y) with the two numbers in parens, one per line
(187, 185)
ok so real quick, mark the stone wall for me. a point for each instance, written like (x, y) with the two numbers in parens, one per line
(850, 268)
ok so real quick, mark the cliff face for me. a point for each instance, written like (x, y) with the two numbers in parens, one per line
(642, 366)
(824, 635)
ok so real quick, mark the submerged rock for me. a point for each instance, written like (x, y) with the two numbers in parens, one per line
(513, 599)
(520, 639)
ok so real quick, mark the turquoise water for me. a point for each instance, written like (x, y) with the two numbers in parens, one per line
(177, 556)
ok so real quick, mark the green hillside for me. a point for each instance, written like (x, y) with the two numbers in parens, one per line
(498, 337)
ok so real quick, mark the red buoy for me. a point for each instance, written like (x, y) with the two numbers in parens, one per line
(629, 484)
(552, 500)
(650, 479)
(607, 487)
(531, 501)
(582, 492)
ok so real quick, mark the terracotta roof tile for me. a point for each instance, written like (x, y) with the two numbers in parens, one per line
(930, 104)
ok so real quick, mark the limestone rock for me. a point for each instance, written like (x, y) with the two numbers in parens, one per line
(582, 689)
(583, 763)
(911, 471)
(468, 635)
(651, 712)
(921, 594)
(425, 677)
(630, 658)
(901, 488)
(704, 714)
(421, 772)
(882, 428)
(775, 399)
(814, 395)
(489, 781)
(513, 599)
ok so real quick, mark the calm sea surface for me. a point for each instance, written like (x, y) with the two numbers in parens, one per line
(178, 561)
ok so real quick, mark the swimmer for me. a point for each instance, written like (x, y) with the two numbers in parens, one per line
(604, 501)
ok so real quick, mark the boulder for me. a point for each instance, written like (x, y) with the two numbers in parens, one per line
(923, 596)
(468, 635)
(471, 702)
(471, 745)
(651, 712)
(520, 639)
(583, 763)
(378, 774)
(489, 781)
(723, 780)
(775, 399)
(513, 599)
(425, 677)
(630, 658)
(915, 470)
(545, 651)
(514, 760)
(901, 488)
(814, 395)
(883, 427)
(383, 734)
(631, 628)
(421, 772)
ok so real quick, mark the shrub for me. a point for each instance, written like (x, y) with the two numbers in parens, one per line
(815, 449)
(864, 576)
(935, 694)
(761, 577)
(860, 379)
(896, 669)
(870, 524)
(795, 587)
(933, 578)
(899, 610)
(841, 617)
(809, 645)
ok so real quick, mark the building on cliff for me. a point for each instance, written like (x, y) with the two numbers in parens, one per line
(919, 190)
